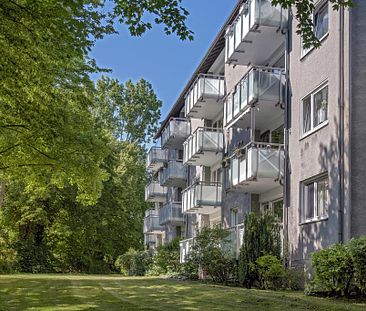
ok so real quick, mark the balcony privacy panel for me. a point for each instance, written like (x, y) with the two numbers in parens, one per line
(173, 174)
(156, 158)
(176, 131)
(205, 87)
(171, 213)
(262, 86)
(185, 248)
(152, 223)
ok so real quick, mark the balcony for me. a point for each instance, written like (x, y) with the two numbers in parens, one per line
(156, 158)
(202, 198)
(174, 174)
(261, 87)
(171, 213)
(185, 248)
(204, 99)
(155, 193)
(256, 168)
(151, 222)
(150, 239)
(203, 147)
(256, 34)
(174, 134)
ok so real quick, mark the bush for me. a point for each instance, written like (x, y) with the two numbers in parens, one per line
(357, 252)
(261, 237)
(333, 271)
(166, 259)
(134, 263)
(211, 255)
(271, 273)
(8, 258)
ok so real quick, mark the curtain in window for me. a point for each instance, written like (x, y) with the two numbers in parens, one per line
(321, 21)
(306, 114)
(321, 106)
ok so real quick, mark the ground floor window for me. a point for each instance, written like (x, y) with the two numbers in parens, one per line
(275, 208)
(315, 198)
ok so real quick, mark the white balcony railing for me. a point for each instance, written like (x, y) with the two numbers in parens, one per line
(203, 147)
(175, 132)
(174, 174)
(256, 33)
(154, 192)
(256, 168)
(185, 248)
(204, 99)
(202, 197)
(171, 213)
(156, 157)
(261, 86)
(152, 223)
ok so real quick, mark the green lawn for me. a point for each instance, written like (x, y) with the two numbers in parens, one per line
(61, 292)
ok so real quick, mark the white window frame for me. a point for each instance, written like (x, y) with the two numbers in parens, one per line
(303, 210)
(271, 208)
(319, 6)
(234, 211)
(312, 111)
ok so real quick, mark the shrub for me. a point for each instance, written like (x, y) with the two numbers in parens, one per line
(357, 251)
(333, 271)
(211, 255)
(261, 237)
(271, 273)
(134, 263)
(8, 257)
(166, 259)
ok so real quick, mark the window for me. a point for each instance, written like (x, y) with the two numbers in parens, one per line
(234, 217)
(321, 21)
(315, 194)
(320, 25)
(275, 208)
(314, 110)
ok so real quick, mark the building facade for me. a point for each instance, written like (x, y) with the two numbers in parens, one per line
(264, 124)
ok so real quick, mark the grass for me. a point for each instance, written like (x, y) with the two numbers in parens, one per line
(79, 292)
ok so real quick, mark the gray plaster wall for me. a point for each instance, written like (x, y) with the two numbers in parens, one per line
(358, 118)
(318, 152)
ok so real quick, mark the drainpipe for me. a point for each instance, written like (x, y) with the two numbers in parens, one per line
(341, 127)
(287, 112)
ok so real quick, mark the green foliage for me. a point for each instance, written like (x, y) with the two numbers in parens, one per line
(303, 10)
(8, 256)
(333, 271)
(357, 251)
(134, 263)
(211, 254)
(261, 237)
(166, 259)
(270, 272)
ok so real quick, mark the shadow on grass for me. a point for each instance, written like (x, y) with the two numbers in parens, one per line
(62, 292)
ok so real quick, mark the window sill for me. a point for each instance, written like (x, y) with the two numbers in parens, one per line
(314, 220)
(303, 56)
(319, 127)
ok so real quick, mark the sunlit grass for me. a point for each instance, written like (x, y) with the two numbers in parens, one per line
(85, 292)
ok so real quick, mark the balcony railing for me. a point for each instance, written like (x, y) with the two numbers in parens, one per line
(256, 168)
(204, 99)
(151, 222)
(203, 147)
(185, 248)
(175, 132)
(171, 213)
(150, 239)
(174, 174)
(154, 192)
(262, 87)
(202, 197)
(256, 33)
(156, 158)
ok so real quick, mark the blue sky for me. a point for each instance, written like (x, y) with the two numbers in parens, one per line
(163, 60)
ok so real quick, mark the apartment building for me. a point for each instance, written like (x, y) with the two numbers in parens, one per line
(264, 124)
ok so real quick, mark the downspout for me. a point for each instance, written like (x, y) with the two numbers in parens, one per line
(341, 128)
(286, 186)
